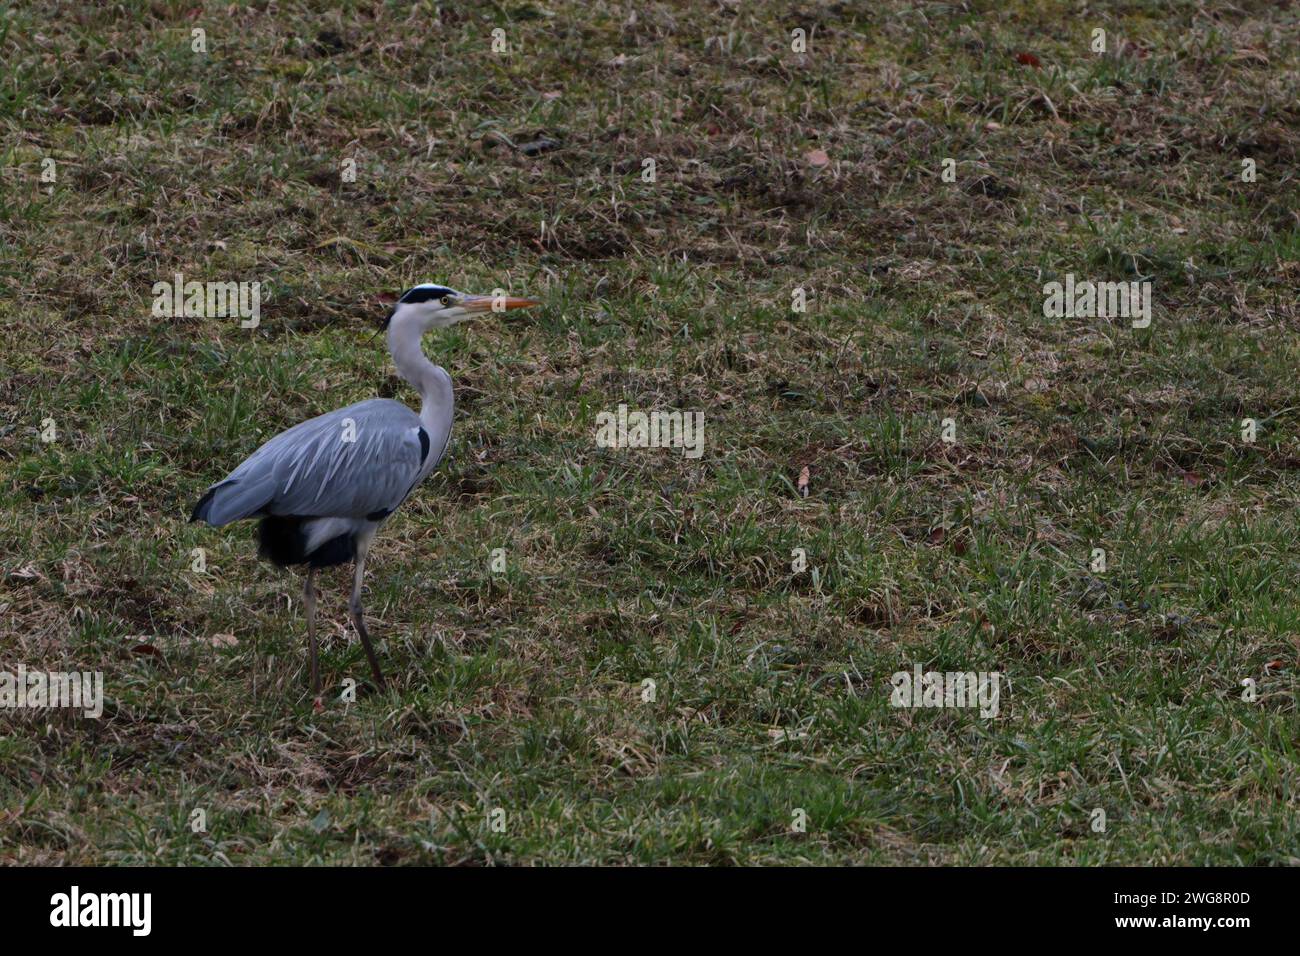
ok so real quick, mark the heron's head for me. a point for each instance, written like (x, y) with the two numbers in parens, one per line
(431, 306)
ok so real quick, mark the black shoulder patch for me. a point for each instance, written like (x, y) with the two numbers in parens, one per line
(424, 445)
(379, 515)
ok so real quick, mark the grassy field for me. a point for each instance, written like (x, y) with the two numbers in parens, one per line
(516, 729)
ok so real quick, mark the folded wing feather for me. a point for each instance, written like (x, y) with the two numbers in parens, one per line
(354, 462)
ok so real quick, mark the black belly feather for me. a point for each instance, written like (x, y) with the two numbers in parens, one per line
(282, 540)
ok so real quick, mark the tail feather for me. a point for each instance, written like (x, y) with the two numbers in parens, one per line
(230, 501)
(200, 512)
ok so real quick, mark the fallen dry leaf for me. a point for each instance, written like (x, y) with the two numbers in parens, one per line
(817, 157)
(28, 572)
(803, 482)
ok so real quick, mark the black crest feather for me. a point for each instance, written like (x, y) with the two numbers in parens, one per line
(416, 294)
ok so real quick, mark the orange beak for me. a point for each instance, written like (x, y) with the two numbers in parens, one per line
(495, 303)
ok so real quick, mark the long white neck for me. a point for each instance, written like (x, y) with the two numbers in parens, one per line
(437, 401)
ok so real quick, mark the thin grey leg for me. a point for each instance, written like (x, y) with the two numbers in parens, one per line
(309, 601)
(358, 614)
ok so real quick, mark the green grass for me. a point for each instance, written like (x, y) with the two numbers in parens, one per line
(522, 692)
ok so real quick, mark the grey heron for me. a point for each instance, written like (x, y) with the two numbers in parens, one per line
(323, 488)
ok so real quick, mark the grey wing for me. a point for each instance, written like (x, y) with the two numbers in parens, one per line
(360, 462)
